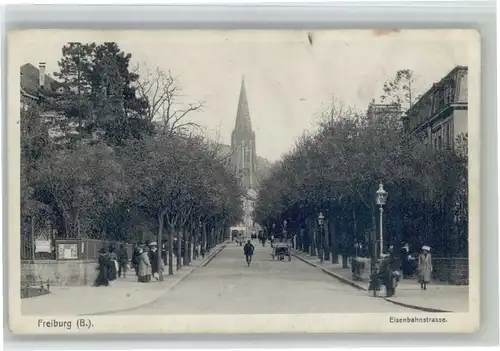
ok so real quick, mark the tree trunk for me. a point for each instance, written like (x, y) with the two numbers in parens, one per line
(159, 243)
(186, 248)
(211, 239)
(350, 243)
(345, 259)
(170, 245)
(204, 238)
(179, 247)
(327, 243)
(312, 236)
(355, 225)
(195, 242)
(334, 241)
(305, 240)
(190, 246)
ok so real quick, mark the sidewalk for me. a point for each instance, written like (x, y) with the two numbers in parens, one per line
(439, 297)
(123, 294)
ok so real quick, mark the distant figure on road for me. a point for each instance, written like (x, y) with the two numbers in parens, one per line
(122, 261)
(248, 250)
(103, 267)
(424, 267)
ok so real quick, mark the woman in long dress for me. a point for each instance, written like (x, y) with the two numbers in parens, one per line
(103, 268)
(113, 264)
(144, 266)
(424, 267)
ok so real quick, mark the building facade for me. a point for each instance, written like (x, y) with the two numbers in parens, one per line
(36, 84)
(244, 155)
(36, 87)
(440, 115)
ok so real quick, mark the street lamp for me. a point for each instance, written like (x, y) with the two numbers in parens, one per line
(381, 198)
(321, 222)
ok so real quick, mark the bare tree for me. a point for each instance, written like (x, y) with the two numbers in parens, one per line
(401, 89)
(160, 88)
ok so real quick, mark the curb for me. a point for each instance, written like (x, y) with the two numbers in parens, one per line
(415, 307)
(360, 287)
(202, 264)
(331, 274)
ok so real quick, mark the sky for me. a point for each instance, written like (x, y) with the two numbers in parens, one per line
(289, 81)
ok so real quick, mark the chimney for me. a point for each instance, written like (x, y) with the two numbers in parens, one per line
(41, 69)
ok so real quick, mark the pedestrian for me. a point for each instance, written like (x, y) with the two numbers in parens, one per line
(425, 267)
(406, 266)
(135, 259)
(113, 263)
(149, 269)
(153, 259)
(122, 261)
(164, 252)
(103, 268)
(202, 251)
(387, 272)
(144, 266)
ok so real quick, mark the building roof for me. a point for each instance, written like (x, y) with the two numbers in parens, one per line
(30, 79)
(424, 98)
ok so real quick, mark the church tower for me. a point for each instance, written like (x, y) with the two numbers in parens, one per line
(243, 143)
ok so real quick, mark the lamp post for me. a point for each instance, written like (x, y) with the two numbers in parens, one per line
(321, 222)
(381, 198)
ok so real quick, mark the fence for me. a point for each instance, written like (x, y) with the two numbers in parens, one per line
(66, 249)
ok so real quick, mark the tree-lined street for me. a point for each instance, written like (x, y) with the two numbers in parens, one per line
(111, 159)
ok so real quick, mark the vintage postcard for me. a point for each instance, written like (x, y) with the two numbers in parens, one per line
(243, 181)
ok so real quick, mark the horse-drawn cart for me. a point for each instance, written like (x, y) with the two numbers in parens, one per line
(282, 248)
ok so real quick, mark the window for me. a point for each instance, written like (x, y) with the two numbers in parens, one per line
(440, 142)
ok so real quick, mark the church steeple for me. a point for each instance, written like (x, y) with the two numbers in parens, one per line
(243, 141)
(243, 122)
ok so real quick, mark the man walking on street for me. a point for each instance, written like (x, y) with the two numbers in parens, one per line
(248, 250)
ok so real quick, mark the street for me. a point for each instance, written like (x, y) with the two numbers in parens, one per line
(226, 285)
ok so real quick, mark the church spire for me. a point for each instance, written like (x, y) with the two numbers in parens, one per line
(243, 142)
(243, 122)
